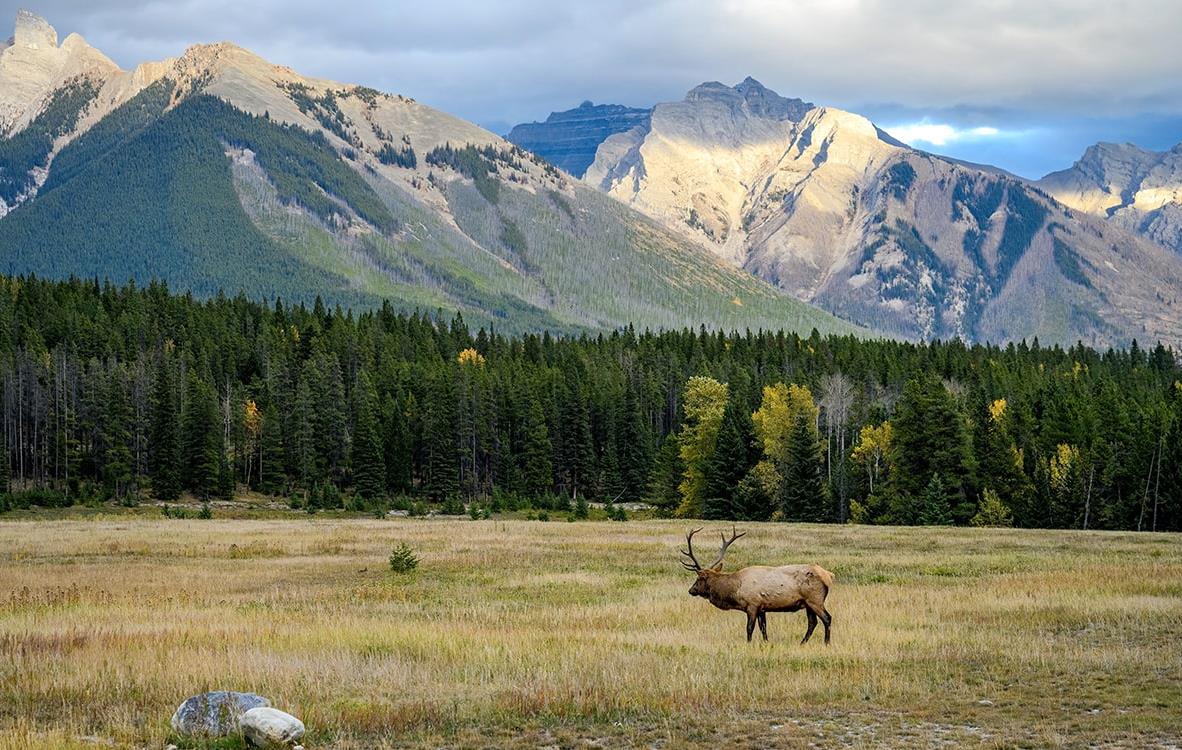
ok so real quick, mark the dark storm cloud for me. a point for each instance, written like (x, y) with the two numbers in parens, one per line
(1034, 65)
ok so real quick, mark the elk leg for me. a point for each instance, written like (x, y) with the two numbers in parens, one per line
(763, 624)
(750, 625)
(826, 618)
(812, 624)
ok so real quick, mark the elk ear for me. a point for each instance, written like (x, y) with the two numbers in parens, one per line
(717, 567)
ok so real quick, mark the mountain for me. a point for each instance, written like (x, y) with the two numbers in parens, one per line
(827, 206)
(218, 170)
(1133, 188)
(568, 140)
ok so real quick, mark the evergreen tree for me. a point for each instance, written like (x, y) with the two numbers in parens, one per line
(164, 466)
(441, 478)
(635, 443)
(271, 477)
(118, 470)
(369, 465)
(666, 476)
(729, 464)
(929, 438)
(577, 454)
(202, 457)
(932, 508)
(802, 492)
(537, 471)
(396, 444)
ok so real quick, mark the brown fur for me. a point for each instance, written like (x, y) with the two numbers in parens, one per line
(757, 590)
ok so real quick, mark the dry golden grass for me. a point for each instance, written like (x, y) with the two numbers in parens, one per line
(523, 634)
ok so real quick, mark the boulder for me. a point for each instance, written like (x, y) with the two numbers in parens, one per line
(270, 728)
(214, 714)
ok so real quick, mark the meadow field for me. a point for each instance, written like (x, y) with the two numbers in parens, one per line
(515, 633)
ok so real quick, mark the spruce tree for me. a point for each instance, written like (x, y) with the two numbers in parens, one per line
(118, 471)
(164, 437)
(271, 477)
(933, 508)
(802, 493)
(577, 455)
(369, 465)
(398, 454)
(201, 440)
(537, 472)
(635, 447)
(929, 438)
(441, 466)
(729, 463)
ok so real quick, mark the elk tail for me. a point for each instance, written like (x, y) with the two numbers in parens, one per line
(825, 576)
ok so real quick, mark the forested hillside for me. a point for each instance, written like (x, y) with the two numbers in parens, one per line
(138, 394)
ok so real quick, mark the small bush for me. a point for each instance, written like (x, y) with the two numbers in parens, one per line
(206, 512)
(403, 559)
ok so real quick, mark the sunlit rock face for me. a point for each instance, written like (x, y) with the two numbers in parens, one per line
(830, 208)
(32, 65)
(568, 140)
(1133, 188)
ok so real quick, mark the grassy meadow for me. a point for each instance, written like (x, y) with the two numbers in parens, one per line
(515, 633)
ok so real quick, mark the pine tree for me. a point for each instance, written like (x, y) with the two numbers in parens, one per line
(164, 465)
(929, 438)
(666, 476)
(369, 465)
(802, 492)
(577, 455)
(441, 477)
(271, 477)
(635, 447)
(398, 454)
(118, 471)
(933, 508)
(729, 464)
(537, 472)
(202, 457)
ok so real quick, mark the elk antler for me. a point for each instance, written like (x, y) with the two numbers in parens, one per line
(689, 552)
(726, 543)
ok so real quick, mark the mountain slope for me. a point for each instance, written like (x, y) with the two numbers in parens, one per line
(1133, 188)
(568, 140)
(825, 205)
(219, 170)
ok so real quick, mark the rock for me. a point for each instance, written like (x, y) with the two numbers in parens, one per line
(214, 714)
(270, 727)
(569, 139)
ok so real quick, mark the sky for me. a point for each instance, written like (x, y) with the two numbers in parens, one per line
(1025, 85)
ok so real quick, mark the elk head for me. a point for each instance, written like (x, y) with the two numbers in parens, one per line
(701, 586)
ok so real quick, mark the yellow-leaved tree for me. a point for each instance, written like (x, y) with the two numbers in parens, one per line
(704, 404)
(873, 450)
(782, 405)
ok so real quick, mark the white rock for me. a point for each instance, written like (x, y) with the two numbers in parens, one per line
(270, 727)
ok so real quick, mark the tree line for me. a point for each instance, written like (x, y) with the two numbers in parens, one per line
(138, 394)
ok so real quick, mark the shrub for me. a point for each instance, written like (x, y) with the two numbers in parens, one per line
(403, 559)
(992, 512)
(206, 512)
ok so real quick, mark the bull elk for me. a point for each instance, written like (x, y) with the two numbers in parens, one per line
(759, 589)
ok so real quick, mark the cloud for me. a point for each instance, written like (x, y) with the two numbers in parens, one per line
(516, 60)
(942, 134)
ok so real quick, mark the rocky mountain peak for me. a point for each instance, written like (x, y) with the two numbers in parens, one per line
(33, 31)
(751, 96)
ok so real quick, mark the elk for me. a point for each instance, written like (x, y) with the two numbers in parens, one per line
(759, 589)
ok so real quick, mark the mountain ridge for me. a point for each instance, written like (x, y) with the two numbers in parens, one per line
(219, 170)
(827, 206)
